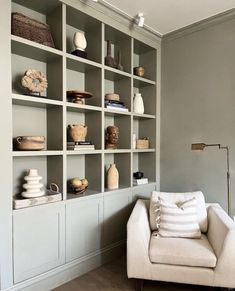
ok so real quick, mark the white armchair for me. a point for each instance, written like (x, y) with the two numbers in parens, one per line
(207, 261)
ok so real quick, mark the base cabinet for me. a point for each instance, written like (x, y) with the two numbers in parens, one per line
(117, 209)
(38, 240)
(83, 227)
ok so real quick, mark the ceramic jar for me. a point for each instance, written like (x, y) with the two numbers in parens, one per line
(138, 104)
(32, 185)
(112, 177)
(77, 132)
(79, 40)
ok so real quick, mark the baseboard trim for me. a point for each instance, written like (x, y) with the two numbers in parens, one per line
(70, 271)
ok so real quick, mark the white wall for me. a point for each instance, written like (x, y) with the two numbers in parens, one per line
(198, 105)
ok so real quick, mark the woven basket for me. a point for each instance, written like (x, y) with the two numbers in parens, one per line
(31, 29)
(142, 143)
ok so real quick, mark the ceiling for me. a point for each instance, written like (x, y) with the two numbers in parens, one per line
(164, 16)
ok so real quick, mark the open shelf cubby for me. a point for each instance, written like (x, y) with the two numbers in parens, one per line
(82, 167)
(145, 128)
(123, 122)
(85, 77)
(145, 162)
(78, 21)
(49, 12)
(120, 42)
(119, 84)
(25, 57)
(148, 93)
(123, 165)
(49, 168)
(89, 118)
(39, 121)
(145, 56)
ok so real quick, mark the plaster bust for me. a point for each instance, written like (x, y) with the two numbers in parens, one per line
(111, 137)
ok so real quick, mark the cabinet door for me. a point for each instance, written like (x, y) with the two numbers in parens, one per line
(38, 240)
(143, 191)
(117, 208)
(83, 227)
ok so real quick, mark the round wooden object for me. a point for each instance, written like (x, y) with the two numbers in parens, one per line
(112, 96)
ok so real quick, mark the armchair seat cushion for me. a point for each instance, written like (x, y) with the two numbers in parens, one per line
(182, 251)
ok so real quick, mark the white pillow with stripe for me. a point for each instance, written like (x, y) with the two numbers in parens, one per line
(177, 220)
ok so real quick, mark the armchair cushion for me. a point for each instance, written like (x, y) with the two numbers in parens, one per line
(181, 251)
(179, 198)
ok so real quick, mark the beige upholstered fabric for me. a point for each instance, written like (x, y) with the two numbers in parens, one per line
(221, 236)
(178, 220)
(184, 252)
(177, 198)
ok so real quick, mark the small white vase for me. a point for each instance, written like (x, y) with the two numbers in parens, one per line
(138, 105)
(112, 177)
(79, 41)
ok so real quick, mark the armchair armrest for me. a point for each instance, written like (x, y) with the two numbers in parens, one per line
(221, 235)
(138, 238)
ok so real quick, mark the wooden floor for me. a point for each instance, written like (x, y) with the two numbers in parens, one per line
(112, 277)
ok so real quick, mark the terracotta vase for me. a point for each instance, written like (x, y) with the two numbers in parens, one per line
(138, 104)
(112, 177)
(77, 132)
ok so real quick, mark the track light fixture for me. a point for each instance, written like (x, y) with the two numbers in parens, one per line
(140, 19)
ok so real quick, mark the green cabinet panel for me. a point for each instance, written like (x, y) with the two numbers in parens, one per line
(143, 191)
(38, 240)
(117, 208)
(83, 227)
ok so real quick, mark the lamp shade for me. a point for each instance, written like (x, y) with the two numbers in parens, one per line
(198, 146)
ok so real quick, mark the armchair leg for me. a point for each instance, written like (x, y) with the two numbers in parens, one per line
(139, 285)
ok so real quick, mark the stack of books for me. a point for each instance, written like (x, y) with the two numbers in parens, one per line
(116, 105)
(142, 181)
(80, 145)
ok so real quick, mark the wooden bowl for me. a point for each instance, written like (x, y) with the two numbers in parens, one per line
(112, 96)
(30, 143)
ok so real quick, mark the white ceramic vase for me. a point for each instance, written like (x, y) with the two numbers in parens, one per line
(138, 105)
(32, 186)
(112, 177)
(79, 41)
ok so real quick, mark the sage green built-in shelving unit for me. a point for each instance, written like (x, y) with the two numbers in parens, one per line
(73, 233)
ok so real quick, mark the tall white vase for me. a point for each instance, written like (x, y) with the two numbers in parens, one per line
(112, 177)
(138, 105)
(79, 41)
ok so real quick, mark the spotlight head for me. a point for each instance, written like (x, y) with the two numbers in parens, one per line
(140, 19)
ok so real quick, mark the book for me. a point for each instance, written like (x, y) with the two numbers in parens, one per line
(114, 102)
(81, 147)
(72, 143)
(117, 108)
(51, 196)
(115, 105)
(142, 181)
